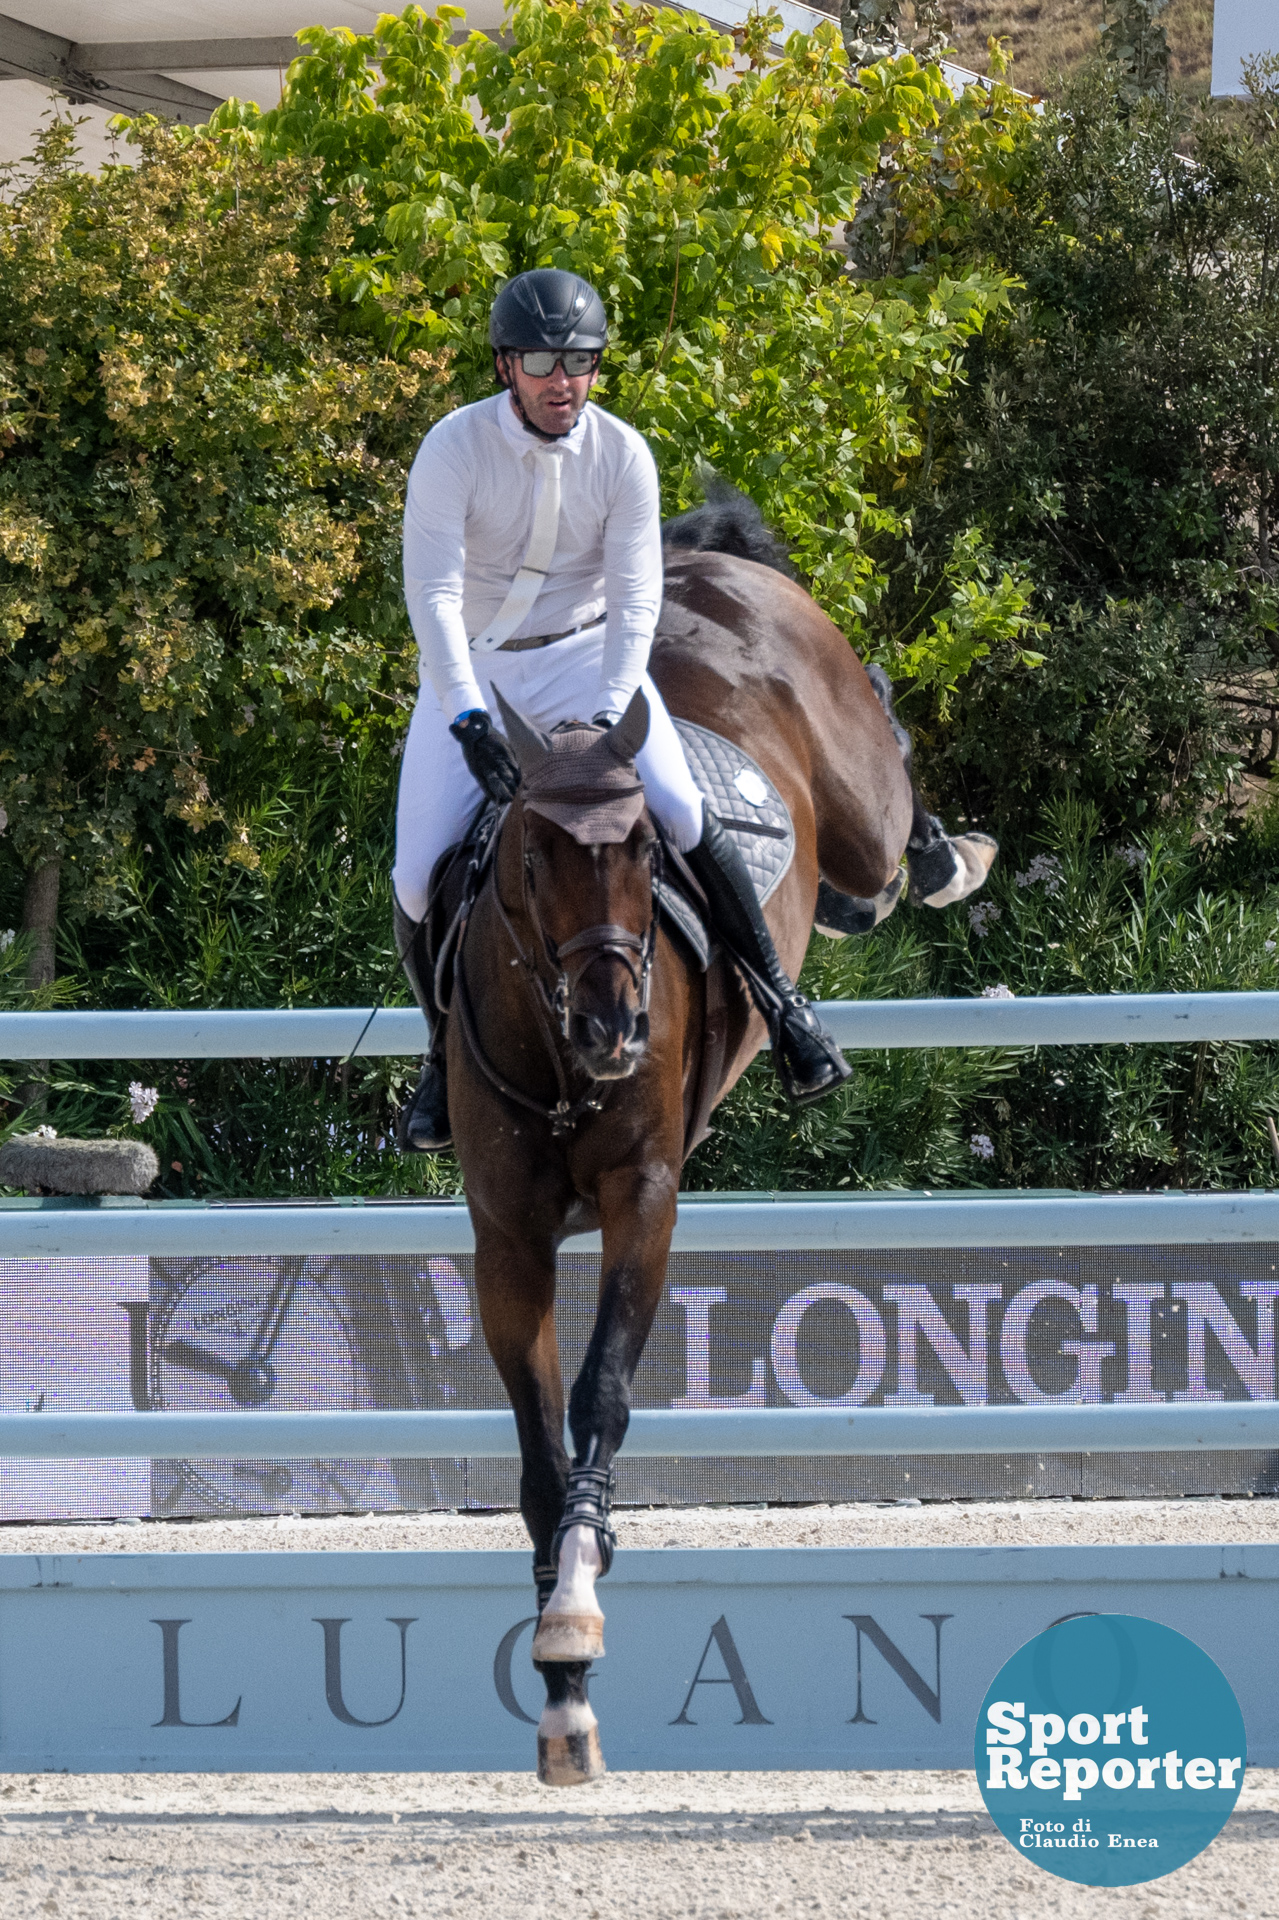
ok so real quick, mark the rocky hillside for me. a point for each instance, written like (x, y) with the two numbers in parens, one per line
(1052, 37)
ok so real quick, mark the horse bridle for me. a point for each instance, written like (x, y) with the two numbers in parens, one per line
(553, 1004)
(593, 942)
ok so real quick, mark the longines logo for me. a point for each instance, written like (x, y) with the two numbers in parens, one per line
(1046, 1343)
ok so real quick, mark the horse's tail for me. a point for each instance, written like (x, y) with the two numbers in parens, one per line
(728, 523)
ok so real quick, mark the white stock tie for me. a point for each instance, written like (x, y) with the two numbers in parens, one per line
(527, 583)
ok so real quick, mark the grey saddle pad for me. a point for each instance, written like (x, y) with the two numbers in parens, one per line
(751, 809)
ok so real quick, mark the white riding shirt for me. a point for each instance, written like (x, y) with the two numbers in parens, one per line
(468, 518)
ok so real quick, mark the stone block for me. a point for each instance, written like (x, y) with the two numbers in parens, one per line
(77, 1166)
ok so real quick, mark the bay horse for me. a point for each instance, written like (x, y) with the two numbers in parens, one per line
(576, 1063)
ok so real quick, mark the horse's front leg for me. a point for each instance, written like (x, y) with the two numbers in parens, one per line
(637, 1215)
(515, 1284)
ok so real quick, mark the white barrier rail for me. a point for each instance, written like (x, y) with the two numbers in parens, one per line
(739, 1433)
(1115, 1019)
(709, 1223)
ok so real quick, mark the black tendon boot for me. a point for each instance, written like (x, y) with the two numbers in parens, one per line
(809, 1064)
(424, 1122)
(930, 858)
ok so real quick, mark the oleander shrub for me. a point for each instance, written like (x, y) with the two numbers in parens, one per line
(1075, 912)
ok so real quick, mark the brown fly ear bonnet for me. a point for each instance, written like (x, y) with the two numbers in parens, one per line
(584, 778)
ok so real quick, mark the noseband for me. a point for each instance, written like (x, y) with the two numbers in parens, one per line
(553, 1003)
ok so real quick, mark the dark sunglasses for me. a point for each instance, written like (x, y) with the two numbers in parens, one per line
(574, 360)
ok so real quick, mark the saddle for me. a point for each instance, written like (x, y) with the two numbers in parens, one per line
(750, 809)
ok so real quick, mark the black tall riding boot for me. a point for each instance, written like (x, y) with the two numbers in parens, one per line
(809, 1064)
(424, 1123)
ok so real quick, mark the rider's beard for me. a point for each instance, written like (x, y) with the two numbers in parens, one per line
(528, 411)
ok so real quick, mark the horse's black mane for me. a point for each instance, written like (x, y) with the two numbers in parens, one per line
(728, 523)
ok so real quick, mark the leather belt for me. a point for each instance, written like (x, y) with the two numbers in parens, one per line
(532, 640)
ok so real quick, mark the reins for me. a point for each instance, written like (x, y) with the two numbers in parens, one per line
(552, 1005)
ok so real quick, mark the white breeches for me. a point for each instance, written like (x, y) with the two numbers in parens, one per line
(438, 798)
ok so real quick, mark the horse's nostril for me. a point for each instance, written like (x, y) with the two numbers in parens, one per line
(595, 1034)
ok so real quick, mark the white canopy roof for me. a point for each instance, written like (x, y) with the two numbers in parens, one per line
(177, 57)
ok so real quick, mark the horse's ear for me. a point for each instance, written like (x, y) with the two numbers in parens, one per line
(528, 743)
(627, 735)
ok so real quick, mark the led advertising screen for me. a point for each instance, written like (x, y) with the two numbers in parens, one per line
(907, 1328)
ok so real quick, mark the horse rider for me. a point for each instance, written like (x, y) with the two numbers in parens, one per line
(533, 564)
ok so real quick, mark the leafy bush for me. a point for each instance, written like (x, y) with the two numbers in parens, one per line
(704, 186)
(1124, 714)
(307, 924)
(1117, 439)
(1082, 916)
(201, 477)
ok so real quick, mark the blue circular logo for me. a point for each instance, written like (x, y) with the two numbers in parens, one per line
(1110, 1750)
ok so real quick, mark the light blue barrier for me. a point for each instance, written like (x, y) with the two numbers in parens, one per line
(864, 1658)
(331, 1032)
(806, 1658)
(706, 1223)
(745, 1433)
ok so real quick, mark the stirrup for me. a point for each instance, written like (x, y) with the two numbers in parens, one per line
(586, 1504)
(808, 1060)
(423, 1125)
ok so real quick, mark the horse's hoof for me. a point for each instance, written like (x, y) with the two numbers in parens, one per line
(978, 853)
(839, 914)
(569, 1636)
(974, 856)
(569, 1759)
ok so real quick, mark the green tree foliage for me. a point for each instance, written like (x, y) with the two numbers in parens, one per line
(1116, 436)
(871, 30)
(200, 480)
(1046, 352)
(1086, 914)
(704, 186)
(1135, 43)
(307, 925)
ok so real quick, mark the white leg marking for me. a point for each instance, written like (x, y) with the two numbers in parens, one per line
(974, 857)
(579, 1569)
(574, 1716)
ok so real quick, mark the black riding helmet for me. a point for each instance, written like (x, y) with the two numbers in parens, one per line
(548, 308)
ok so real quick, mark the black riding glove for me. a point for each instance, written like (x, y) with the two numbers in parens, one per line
(488, 758)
